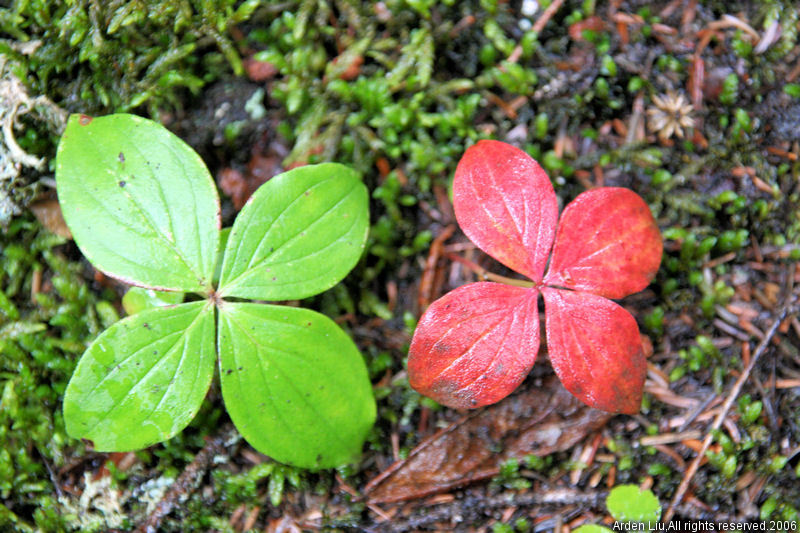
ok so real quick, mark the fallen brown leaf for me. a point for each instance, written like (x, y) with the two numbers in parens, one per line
(48, 213)
(233, 183)
(538, 420)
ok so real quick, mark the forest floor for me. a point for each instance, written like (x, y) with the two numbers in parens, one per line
(695, 105)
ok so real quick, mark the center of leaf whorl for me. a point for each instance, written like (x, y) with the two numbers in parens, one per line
(215, 298)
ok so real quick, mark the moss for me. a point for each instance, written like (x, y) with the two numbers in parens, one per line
(94, 57)
(98, 57)
(49, 313)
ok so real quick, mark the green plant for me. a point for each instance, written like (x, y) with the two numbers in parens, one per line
(628, 503)
(143, 208)
(121, 55)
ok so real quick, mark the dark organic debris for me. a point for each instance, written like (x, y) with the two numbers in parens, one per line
(188, 480)
(540, 420)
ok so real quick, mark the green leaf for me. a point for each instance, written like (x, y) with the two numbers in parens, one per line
(143, 379)
(592, 528)
(139, 202)
(630, 504)
(298, 235)
(138, 299)
(294, 384)
(224, 233)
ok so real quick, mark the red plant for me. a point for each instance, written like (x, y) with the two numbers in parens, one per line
(476, 344)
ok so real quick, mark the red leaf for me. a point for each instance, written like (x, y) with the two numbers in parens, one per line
(475, 345)
(608, 244)
(505, 204)
(595, 349)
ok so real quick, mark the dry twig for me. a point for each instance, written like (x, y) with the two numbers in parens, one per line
(789, 308)
(187, 481)
(426, 291)
(547, 14)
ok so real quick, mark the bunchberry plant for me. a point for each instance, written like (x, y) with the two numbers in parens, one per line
(628, 503)
(143, 208)
(476, 344)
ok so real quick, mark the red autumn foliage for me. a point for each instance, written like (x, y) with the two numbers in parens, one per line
(476, 344)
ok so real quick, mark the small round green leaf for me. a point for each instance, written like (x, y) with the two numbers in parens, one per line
(628, 503)
(294, 384)
(592, 528)
(139, 202)
(143, 379)
(298, 235)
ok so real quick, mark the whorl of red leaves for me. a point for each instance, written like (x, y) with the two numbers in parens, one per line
(476, 344)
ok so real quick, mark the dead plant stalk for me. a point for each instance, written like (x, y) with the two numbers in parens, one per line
(789, 308)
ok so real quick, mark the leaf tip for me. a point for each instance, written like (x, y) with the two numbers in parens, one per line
(505, 204)
(444, 391)
(608, 243)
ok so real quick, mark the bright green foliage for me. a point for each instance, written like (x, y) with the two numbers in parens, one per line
(592, 528)
(319, 204)
(750, 410)
(629, 503)
(150, 372)
(275, 355)
(730, 89)
(125, 216)
(236, 488)
(792, 89)
(101, 57)
(138, 299)
(142, 206)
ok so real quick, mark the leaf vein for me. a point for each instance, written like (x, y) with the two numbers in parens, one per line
(144, 377)
(290, 382)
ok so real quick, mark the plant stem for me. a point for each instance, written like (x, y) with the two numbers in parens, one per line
(490, 276)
